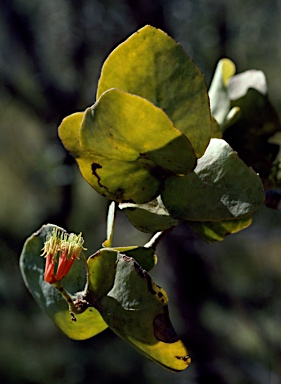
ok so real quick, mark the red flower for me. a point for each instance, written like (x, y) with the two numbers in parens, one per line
(60, 250)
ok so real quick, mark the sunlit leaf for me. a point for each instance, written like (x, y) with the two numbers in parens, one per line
(152, 65)
(211, 231)
(221, 187)
(32, 266)
(136, 309)
(123, 135)
(69, 133)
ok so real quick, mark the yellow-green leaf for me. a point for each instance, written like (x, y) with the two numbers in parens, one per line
(69, 133)
(121, 135)
(152, 65)
(217, 230)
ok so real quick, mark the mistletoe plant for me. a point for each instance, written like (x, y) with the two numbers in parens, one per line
(153, 146)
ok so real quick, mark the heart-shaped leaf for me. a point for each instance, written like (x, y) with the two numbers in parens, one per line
(221, 187)
(32, 265)
(152, 65)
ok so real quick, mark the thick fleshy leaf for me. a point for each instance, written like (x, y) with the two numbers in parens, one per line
(123, 135)
(151, 217)
(152, 65)
(221, 187)
(219, 99)
(211, 231)
(32, 265)
(136, 310)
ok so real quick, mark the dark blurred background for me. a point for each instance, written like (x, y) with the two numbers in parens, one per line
(225, 298)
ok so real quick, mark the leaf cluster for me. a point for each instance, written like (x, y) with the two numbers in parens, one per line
(110, 289)
(151, 143)
(167, 151)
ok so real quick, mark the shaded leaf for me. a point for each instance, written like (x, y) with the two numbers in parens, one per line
(210, 231)
(248, 120)
(216, 129)
(151, 217)
(101, 267)
(152, 65)
(32, 265)
(249, 134)
(136, 310)
(144, 256)
(221, 187)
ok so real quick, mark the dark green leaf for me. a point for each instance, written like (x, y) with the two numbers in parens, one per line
(151, 217)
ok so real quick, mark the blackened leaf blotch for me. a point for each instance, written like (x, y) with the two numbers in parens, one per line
(94, 167)
(163, 329)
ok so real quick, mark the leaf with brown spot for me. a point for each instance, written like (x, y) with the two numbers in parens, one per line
(136, 309)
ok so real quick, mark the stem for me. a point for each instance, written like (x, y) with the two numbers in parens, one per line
(156, 238)
(110, 224)
(75, 307)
